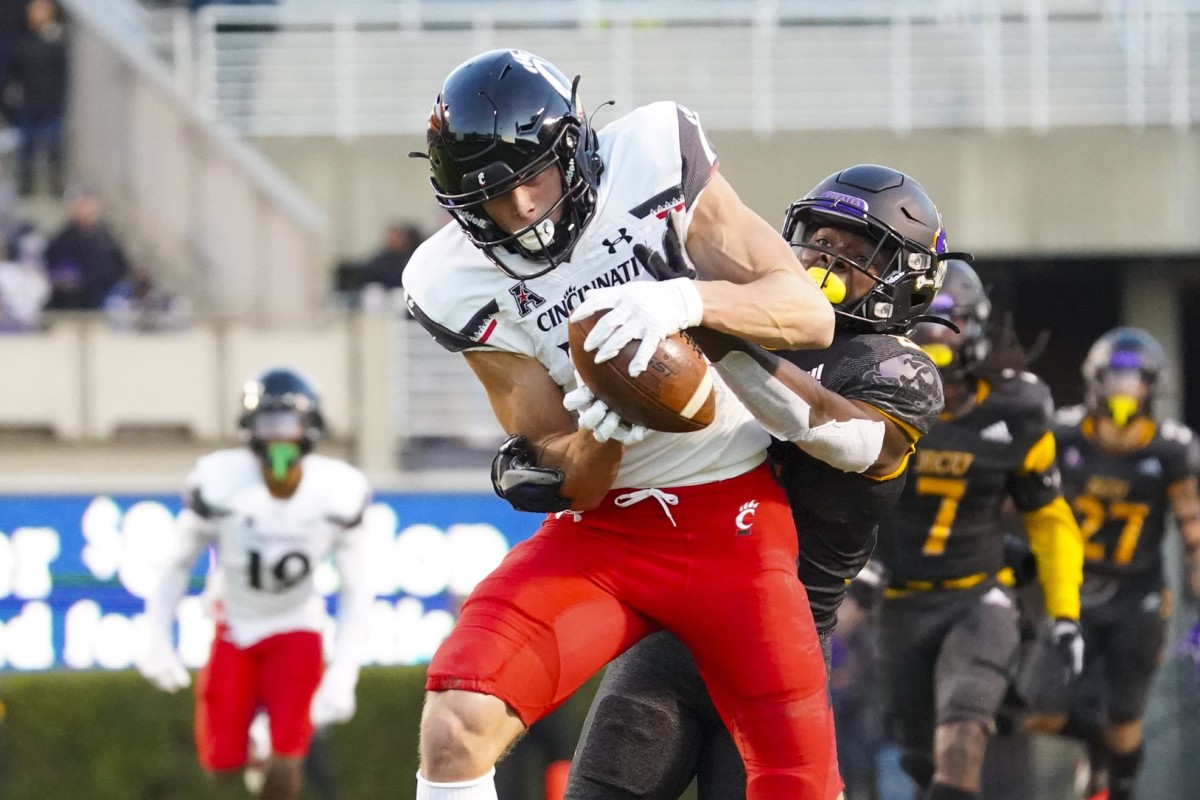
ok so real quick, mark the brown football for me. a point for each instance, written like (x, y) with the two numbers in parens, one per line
(674, 394)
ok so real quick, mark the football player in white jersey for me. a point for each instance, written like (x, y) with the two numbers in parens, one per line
(271, 512)
(685, 532)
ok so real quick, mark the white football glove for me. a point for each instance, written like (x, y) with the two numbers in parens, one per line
(595, 416)
(1066, 635)
(334, 701)
(161, 665)
(646, 310)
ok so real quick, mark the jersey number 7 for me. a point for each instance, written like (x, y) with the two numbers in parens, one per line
(951, 491)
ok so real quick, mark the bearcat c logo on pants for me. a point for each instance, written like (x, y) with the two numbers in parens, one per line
(745, 518)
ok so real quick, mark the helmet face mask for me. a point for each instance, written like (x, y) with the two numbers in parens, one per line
(1122, 374)
(963, 301)
(281, 418)
(278, 426)
(502, 119)
(893, 212)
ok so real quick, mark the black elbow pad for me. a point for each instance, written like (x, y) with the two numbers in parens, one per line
(523, 484)
(1020, 559)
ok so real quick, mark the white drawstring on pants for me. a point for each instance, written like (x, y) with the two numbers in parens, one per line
(665, 499)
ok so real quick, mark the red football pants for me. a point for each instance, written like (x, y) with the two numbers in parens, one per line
(279, 674)
(722, 577)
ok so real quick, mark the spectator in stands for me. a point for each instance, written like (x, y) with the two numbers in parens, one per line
(84, 259)
(12, 222)
(12, 28)
(24, 286)
(38, 93)
(138, 304)
(387, 265)
(366, 284)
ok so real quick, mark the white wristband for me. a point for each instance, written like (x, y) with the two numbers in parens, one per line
(692, 303)
(851, 445)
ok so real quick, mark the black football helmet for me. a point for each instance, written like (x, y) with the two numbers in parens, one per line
(893, 211)
(280, 405)
(1122, 374)
(962, 301)
(502, 118)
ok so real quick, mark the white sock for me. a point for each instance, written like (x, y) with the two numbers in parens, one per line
(483, 788)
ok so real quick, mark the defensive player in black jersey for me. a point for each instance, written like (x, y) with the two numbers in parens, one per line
(948, 628)
(845, 419)
(1124, 468)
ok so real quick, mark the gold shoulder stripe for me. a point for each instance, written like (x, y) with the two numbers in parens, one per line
(1041, 456)
(1149, 428)
(912, 433)
(896, 472)
(982, 390)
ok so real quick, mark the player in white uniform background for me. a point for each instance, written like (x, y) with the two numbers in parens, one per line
(698, 538)
(270, 512)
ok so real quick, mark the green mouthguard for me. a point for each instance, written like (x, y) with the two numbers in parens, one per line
(282, 455)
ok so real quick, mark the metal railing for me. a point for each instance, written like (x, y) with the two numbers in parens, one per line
(215, 219)
(320, 68)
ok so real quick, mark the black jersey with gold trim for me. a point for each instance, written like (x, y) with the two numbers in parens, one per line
(1121, 500)
(946, 525)
(837, 512)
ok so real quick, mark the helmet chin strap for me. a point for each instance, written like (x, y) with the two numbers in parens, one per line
(281, 457)
(939, 320)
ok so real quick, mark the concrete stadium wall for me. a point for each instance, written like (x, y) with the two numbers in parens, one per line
(1070, 192)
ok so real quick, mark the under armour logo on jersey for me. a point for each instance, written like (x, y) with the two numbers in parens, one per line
(526, 298)
(1151, 467)
(621, 236)
(996, 597)
(744, 520)
(1073, 457)
(996, 432)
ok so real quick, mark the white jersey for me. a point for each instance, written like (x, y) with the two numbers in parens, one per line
(267, 549)
(656, 159)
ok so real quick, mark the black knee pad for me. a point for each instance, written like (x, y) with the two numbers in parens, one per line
(1085, 727)
(919, 767)
(1124, 715)
(634, 750)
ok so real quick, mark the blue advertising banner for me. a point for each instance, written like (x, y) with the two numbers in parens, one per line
(75, 569)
